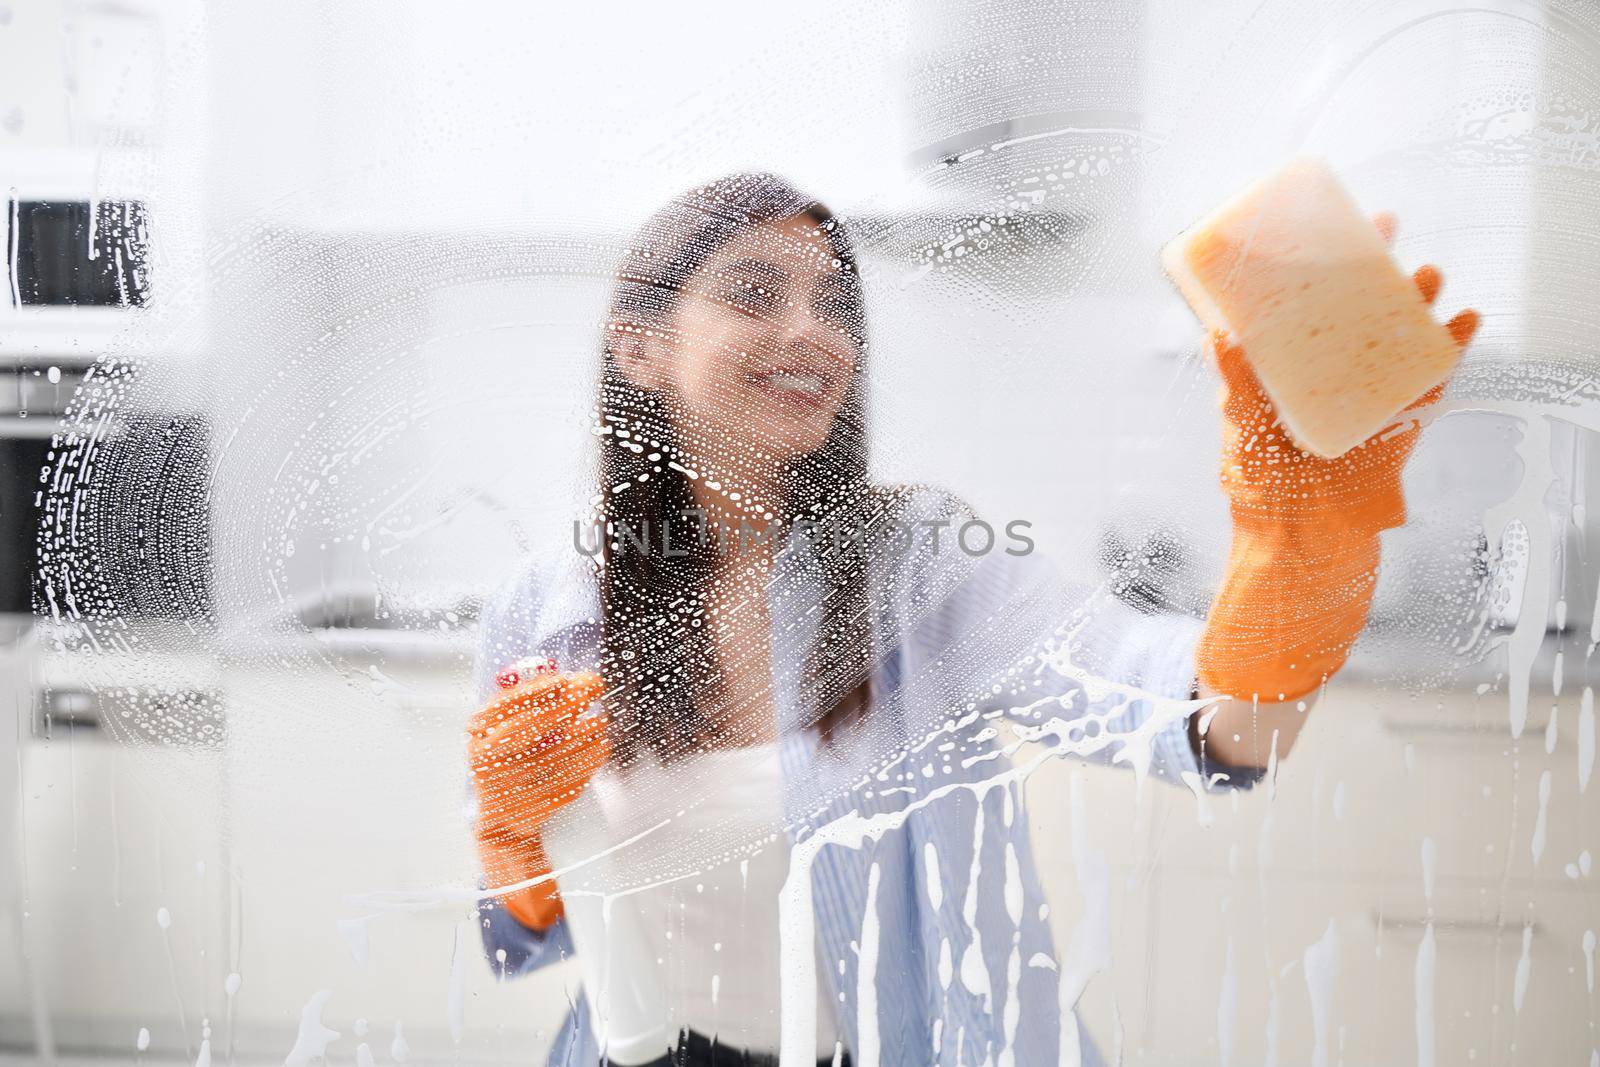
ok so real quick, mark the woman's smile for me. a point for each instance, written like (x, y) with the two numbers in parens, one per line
(800, 388)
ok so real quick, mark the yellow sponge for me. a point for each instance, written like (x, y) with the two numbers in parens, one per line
(1338, 334)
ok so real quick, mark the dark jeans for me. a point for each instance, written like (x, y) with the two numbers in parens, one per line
(697, 1050)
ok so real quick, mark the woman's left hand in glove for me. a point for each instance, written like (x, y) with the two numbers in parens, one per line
(1304, 557)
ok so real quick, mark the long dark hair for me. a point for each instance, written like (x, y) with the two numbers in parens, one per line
(665, 681)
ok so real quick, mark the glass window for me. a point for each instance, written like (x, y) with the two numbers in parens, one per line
(893, 534)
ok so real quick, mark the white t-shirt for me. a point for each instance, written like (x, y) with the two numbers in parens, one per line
(699, 952)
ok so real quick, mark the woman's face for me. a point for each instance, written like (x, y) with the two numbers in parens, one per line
(761, 350)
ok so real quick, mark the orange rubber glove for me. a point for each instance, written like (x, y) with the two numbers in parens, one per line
(1304, 559)
(530, 755)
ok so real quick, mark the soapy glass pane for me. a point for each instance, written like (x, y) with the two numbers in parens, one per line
(466, 284)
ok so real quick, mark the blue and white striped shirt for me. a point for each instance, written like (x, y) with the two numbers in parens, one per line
(963, 974)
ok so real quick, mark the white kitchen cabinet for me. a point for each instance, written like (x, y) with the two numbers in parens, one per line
(1339, 839)
(1376, 773)
(1374, 999)
(324, 788)
(118, 841)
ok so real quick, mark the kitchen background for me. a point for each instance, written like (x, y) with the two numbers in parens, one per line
(334, 274)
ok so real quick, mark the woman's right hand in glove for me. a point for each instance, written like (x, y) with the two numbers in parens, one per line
(530, 755)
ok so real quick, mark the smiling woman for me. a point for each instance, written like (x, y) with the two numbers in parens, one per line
(776, 307)
(772, 684)
(731, 383)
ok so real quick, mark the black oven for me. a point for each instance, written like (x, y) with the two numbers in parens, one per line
(133, 538)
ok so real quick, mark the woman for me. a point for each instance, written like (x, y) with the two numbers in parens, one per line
(783, 642)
